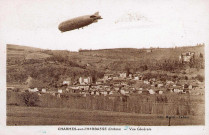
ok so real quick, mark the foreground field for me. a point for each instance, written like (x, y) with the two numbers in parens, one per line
(17, 115)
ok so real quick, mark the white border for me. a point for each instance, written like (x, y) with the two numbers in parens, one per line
(49, 130)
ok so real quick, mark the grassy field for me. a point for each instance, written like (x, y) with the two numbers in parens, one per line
(17, 115)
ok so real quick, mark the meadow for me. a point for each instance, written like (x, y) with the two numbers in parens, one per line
(21, 115)
(100, 110)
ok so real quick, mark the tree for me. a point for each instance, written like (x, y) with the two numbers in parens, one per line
(30, 99)
(186, 77)
(145, 67)
(201, 55)
(200, 78)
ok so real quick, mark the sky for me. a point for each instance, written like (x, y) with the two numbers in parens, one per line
(125, 24)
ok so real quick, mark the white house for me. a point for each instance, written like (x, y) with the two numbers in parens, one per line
(190, 87)
(85, 80)
(146, 82)
(136, 78)
(33, 90)
(159, 85)
(139, 91)
(43, 90)
(151, 91)
(160, 92)
(105, 93)
(123, 75)
(97, 92)
(66, 83)
(111, 92)
(123, 92)
(59, 90)
(169, 82)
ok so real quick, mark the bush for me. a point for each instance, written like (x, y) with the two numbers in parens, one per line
(30, 99)
(200, 78)
(186, 78)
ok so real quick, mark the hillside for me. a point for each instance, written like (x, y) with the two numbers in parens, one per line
(51, 66)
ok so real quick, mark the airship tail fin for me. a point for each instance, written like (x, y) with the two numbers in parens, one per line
(97, 13)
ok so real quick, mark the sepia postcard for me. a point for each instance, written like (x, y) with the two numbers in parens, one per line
(104, 67)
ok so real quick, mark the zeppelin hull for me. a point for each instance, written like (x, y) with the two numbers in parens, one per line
(75, 24)
(78, 22)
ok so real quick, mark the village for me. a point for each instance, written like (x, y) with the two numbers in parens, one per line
(116, 85)
(124, 84)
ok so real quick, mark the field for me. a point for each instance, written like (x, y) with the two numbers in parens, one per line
(17, 115)
(100, 110)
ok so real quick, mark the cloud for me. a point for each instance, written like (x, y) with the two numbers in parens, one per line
(132, 17)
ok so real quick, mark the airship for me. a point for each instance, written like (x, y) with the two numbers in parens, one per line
(79, 22)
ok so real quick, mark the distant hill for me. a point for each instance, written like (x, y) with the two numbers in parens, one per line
(131, 56)
(51, 66)
(24, 52)
(21, 48)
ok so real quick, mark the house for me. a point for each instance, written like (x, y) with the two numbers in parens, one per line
(140, 88)
(33, 90)
(59, 91)
(159, 85)
(153, 79)
(85, 80)
(146, 82)
(160, 92)
(181, 91)
(104, 93)
(116, 88)
(122, 91)
(151, 91)
(190, 87)
(10, 88)
(123, 75)
(115, 78)
(43, 90)
(139, 92)
(92, 93)
(97, 93)
(169, 82)
(187, 57)
(153, 85)
(136, 78)
(84, 87)
(176, 90)
(124, 83)
(66, 83)
(185, 91)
